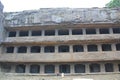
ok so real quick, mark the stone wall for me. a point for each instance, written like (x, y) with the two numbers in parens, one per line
(109, 76)
(49, 16)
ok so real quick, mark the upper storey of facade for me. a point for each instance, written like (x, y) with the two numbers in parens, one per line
(72, 23)
(62, 30)
(55, 16)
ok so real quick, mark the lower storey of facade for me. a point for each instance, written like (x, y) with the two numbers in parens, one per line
(58, 68)
(109, 70)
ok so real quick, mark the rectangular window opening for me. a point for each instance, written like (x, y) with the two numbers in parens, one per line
(119, 67)
(49, 32)
(5, 67)
(90, 31)
(92, 48)
(63, 32)
(106, 47)
(34, 69)
(109, 67)
(23, 33)
(49, 49)
(118, 47)
(22, 49)
(20, 68)
(116, 30)
(64, 68)
(49, 69)
(36, 33)
(64, 48)
(94, 68)
(78, 48)
(12, 34)
(77, 32)
(79, 68)
(104, 31)
(10, 49)
(35, 49)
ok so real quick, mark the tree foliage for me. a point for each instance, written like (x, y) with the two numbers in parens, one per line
(113, 4)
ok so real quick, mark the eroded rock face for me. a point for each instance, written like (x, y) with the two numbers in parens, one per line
(47, 16)
(1, 7)
(1, 22)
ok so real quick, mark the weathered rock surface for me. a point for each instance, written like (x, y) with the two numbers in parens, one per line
(49, 16)
(1, 22)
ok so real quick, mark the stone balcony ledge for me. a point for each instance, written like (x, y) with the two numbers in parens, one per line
(61, 57)
(64, 39)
